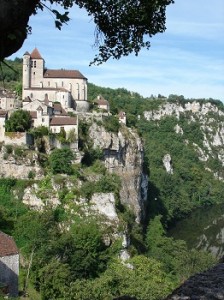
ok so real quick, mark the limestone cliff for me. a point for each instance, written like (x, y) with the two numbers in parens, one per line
(19, 163)
(207, 116)
(123, 155)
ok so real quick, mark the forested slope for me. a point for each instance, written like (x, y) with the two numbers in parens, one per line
(73, 253)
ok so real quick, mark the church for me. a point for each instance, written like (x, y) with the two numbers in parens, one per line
(67, 87)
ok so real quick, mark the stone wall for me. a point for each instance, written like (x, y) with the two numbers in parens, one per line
(18, 138)
(9, 271)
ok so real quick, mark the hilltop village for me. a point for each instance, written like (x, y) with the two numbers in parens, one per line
(54, 98)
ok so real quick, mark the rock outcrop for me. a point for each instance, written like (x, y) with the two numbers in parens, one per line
(123, 155)
(209, 118)
(20, 167)
(204, 286)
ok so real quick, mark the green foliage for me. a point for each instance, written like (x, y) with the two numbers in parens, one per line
(9, 149)
(19, 151)
(20, 120)
(144, 279)
(60, 161)
(39, 132)
(11, 208)
(54, 280)
(106, 184)
(92, 155)
(190, 186)
(111, 123)
(174, 254)
(12, 77)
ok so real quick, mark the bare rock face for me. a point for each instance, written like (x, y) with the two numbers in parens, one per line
(204, 286)
(104, 204)
(167, 163)
(19, 167)
(123, 155)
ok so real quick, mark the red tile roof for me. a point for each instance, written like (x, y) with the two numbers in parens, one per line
(7, 245)
(100, 100)
(58, 108)
(35, 54)
(3, 113)
(61, 121)
(33, 114)
(63, 74)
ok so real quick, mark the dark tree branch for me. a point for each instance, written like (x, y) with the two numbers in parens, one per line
(122, 26)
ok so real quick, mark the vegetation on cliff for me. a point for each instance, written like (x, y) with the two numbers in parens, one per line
(71, 254)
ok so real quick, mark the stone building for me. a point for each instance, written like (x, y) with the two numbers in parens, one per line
(9, 265)
(102, 103)
(69, 87)
(9, 100)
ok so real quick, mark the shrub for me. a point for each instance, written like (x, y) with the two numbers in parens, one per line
(39, 132)
(31, 174)
(112, 124)
(19, 121)
(18, 151)
(8, 149)
(60, 161)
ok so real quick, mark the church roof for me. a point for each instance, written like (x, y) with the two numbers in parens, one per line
(60, 121)
(62, 73)
(7, 245)
(35, 54)
(33, 114)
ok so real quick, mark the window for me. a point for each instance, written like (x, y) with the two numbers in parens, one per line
(42, 119)
(31, 95)
(35, 64)
(31, 63)
(48, 83)
(33, 73)
(62, 83)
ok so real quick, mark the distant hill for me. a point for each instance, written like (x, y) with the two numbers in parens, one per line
(11, 73)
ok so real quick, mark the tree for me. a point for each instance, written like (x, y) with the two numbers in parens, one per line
(121, 26)
(20, 120)
(60, 161)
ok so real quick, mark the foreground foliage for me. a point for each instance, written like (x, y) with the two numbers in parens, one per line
(119, 29)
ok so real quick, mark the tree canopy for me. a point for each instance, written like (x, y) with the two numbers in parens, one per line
(122, 27)
(20, 120)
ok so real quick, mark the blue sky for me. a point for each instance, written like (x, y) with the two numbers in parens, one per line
(188, 59)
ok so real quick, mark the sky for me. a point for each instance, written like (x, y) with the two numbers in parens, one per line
(188, 59)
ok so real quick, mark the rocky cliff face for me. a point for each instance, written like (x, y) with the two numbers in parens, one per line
(204, 286)
(210, 121)
(20, 164)
(123, 155)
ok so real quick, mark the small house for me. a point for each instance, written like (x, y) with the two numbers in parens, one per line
(102, 103)
(9, 265)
